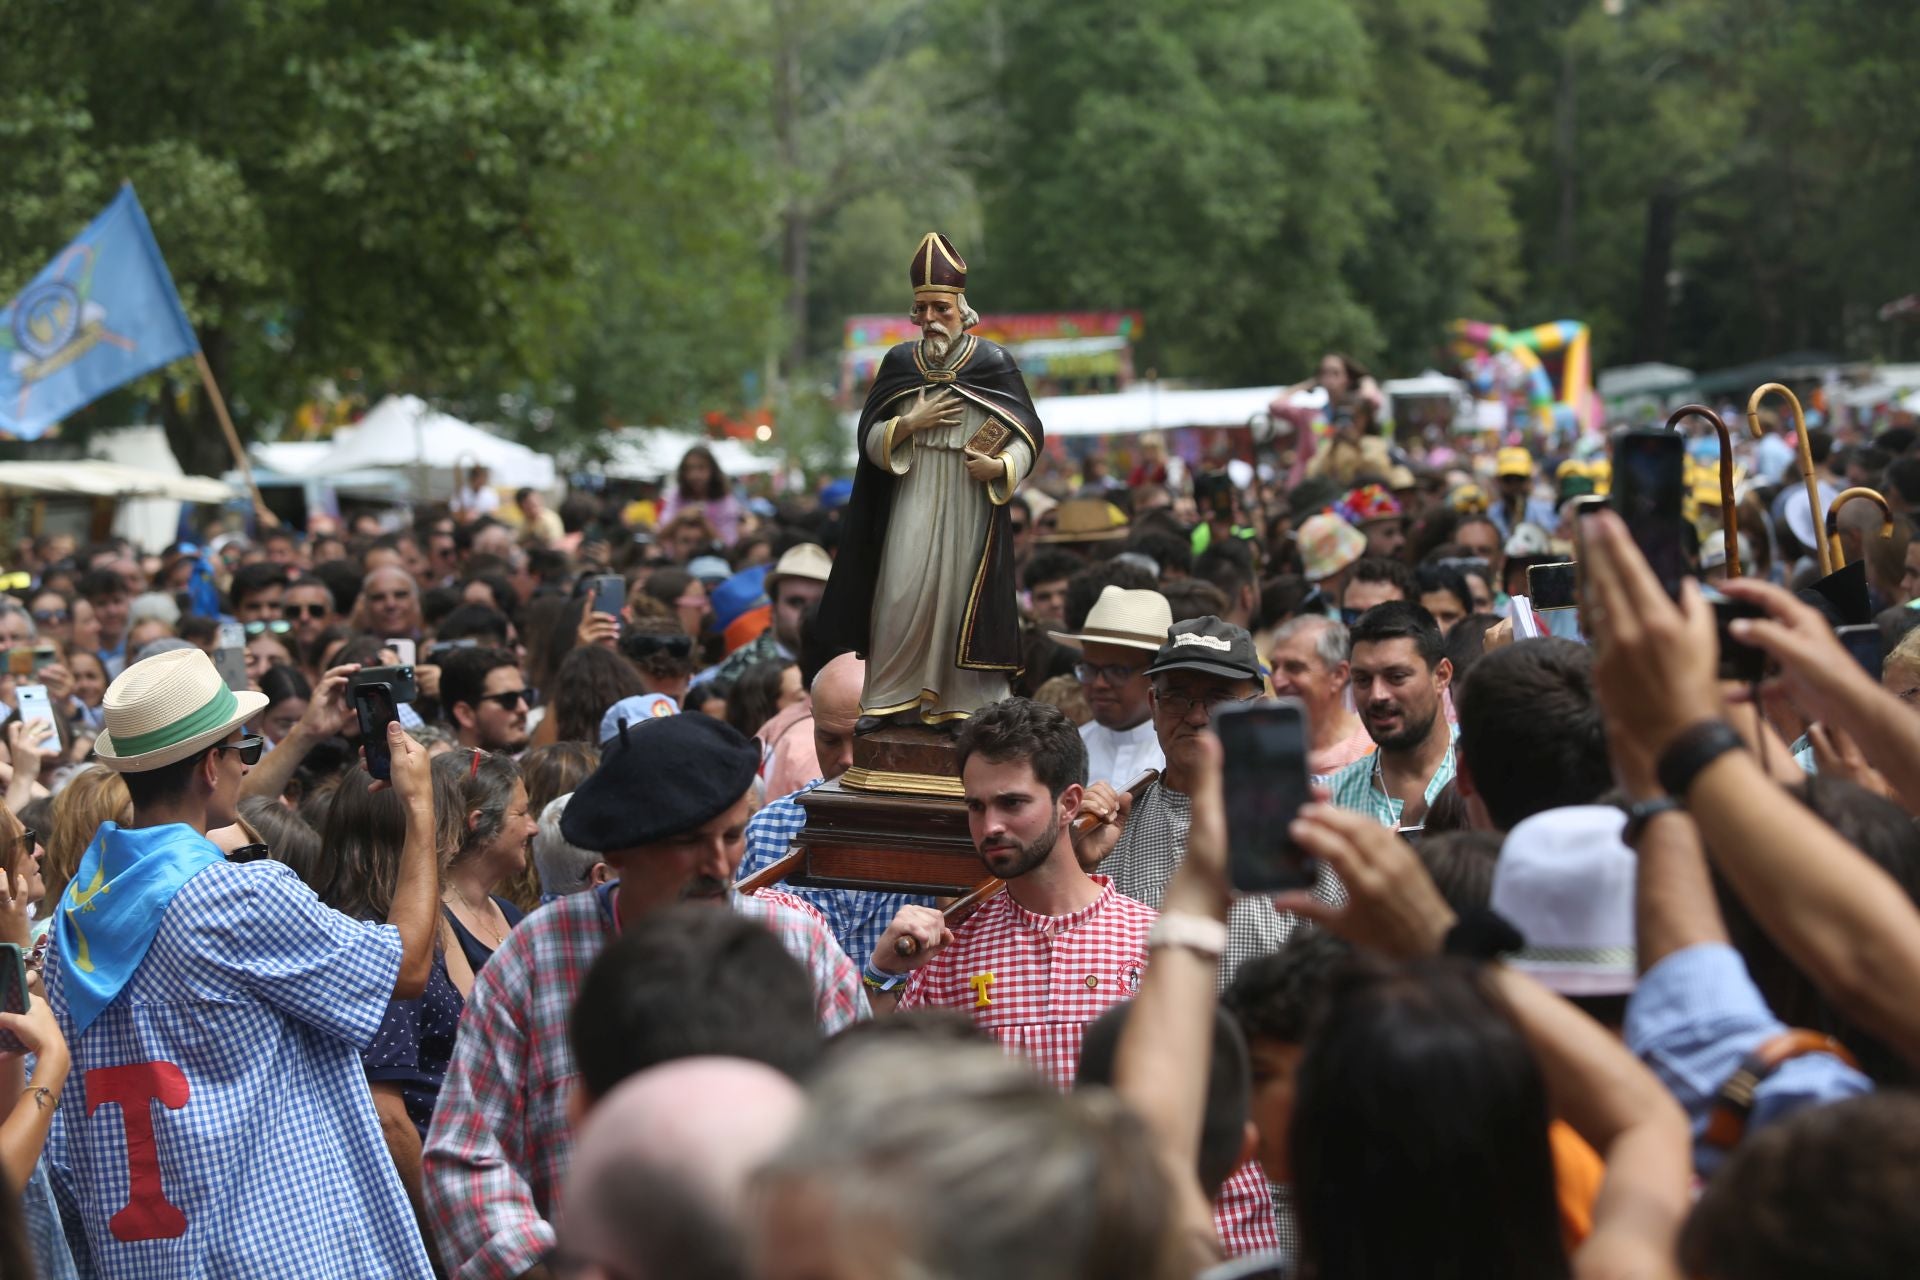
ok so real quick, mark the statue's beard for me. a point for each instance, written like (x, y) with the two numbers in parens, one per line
(938, 340)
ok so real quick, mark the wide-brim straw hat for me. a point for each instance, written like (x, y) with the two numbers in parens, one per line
(165, 708)
(1086, 520)
(1130, 619)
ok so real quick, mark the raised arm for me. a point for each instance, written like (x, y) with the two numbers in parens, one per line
(415, 910)
(327, 715)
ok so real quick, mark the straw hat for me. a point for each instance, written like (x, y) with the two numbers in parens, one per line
(1130, 619)
(1086, 520)
(166, 708)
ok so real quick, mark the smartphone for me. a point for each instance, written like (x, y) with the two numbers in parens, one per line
(1649, 484)
(13, 992)
(1265, 747)
(44, 656)
(1863, 642)
(609, 591)
(1587, 504)
(440, 649)
(1550, 586)
(230, 656)
(403, 649)
(377, 708)
(20, 661)
(1741, 662)
(399, 681)
(34, 704)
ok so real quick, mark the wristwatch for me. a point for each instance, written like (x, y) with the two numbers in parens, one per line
(1688, 755)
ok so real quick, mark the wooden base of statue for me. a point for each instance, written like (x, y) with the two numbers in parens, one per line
(894, 822)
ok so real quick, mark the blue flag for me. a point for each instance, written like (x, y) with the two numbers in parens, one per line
(102, 313)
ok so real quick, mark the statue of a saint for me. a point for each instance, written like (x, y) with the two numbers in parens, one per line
(923, 586)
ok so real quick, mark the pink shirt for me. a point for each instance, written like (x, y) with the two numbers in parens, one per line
(1355, 746)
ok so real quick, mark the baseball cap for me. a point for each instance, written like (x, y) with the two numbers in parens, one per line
(1209, 645)
(1514, 461)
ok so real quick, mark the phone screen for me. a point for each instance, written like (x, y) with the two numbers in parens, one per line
(403, 649)
(13, 992)
(609, 594)
(1550, 586)
(374, 704)
(1649, 484)
(1265, 748)
(34, 704)
(1863, 642)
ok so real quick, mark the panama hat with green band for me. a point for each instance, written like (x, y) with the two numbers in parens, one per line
(165, 708)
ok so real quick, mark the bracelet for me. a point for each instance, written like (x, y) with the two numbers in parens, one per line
(1688, 755)
(1642, 812)
(880, 979)
(47, 1099)
(1201, 934)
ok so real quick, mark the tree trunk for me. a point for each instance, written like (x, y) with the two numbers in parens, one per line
(194, 435)
(1565, 135)
(1651, 334)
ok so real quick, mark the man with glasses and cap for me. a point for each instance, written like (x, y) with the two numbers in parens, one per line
(217, 1120)
(1205, 664)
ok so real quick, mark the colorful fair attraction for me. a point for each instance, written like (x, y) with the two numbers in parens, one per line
(1516, 367)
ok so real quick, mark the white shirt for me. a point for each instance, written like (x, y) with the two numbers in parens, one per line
(479, 502)
(1118, 756)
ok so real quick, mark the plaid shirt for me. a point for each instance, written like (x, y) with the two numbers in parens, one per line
(1152, 848)
(497, 1151)
(1034, 982)
(223, 1125)
(858, 917)
(1358, 787)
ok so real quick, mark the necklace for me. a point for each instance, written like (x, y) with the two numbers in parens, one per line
(483, 918)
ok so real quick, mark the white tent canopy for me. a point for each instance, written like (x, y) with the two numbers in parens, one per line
(643, 453)
(405, 432)
(95, 479)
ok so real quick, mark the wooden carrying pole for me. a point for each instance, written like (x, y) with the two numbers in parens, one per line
(1806, 464)
(260, 511)
(1729, 516)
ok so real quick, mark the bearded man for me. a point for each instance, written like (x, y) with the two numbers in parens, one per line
(924, 584)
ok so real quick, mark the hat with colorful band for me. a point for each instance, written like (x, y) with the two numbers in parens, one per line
(165, 708)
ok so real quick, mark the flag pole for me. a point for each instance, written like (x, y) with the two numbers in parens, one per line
(260, 511)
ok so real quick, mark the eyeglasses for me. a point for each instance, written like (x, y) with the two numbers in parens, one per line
(50, 617)
(508, 700)
(248, 748)
(262, 626)
(1112, 672)
(641, 646)
(305, 610)
(1183, 706)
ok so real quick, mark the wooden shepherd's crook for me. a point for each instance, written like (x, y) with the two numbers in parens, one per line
(1833, 520)
(1806, 463)
(1729, 514)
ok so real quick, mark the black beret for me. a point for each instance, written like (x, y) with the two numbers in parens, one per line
(659, 778)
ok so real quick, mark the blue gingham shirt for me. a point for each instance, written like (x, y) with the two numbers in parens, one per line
(254, 1000)
(858, 917)
(1694, 1016)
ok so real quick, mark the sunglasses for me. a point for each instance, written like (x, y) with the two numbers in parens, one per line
(508, 700)
(249, 853)
(1114, 672)
(50, 617)
(277, 627)
(675, 646)
(305, 610)
(248, 748)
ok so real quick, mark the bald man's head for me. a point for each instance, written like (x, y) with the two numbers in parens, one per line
(701, 1125)
(836, 708)
(1861, 522)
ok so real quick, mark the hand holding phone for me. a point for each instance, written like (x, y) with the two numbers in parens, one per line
(1739, 661)
(1649, 488)
(1265, 784)
(609, 594)
(376, 708)
(1550, 586)
(34, 704)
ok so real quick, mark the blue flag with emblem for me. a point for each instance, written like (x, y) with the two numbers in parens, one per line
(101, 314)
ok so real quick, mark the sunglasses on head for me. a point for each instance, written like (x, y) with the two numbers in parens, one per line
(674, 646)
(248, 748)
(50, 617)
(276, 626)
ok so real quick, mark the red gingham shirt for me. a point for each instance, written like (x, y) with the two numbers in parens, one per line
(1034, 982)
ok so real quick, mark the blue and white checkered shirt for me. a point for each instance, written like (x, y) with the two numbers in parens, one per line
(858, 917)
(217, 1121)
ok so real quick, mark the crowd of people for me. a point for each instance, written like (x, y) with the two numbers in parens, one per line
(1605, 967)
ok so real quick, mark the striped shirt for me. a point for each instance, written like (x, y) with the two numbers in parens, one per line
(1359, 787)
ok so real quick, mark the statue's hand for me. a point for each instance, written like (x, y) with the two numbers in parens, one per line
(984, 469)
(943, 410)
